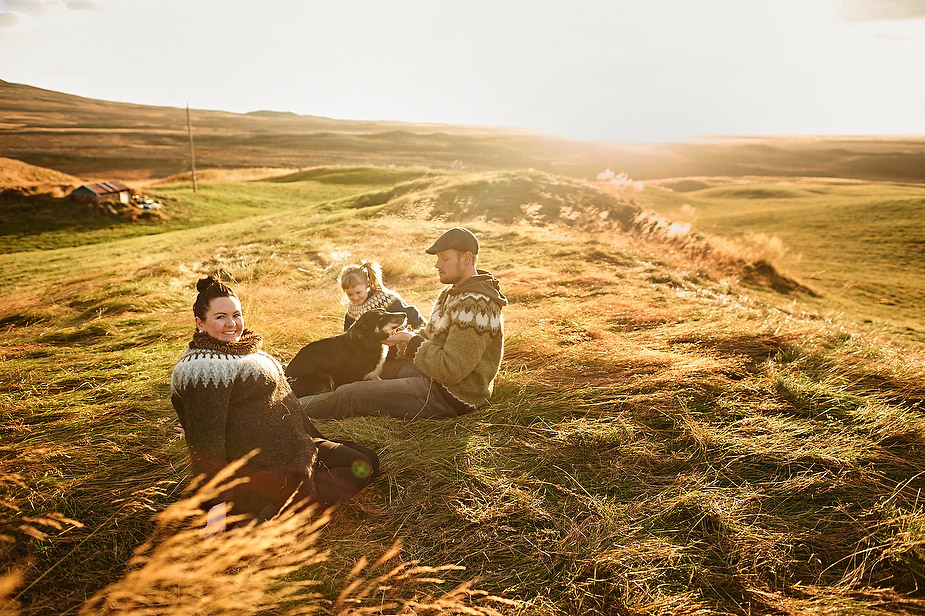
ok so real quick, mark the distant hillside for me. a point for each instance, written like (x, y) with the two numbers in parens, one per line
(263, 113)
(99, 139)
(28, 107)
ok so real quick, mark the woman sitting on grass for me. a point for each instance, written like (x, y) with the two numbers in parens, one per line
(363, 286)
(233, 398)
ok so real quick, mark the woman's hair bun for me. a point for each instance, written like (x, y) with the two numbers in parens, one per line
(209, 288)
(205, 283)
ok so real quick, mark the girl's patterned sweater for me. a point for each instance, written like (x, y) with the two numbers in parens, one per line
(386, 300)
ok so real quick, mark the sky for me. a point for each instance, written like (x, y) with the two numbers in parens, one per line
(615, 70)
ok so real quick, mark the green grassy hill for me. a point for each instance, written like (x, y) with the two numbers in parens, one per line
(662, 440)
(42, 222)
(861, 244)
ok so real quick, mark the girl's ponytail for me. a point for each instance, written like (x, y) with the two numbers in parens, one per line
(373, 275)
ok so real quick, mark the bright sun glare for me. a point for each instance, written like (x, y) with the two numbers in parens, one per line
(634, 71)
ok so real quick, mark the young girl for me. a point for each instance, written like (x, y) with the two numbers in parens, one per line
(364, 288)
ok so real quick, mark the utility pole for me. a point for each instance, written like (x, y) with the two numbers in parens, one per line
(192, 154)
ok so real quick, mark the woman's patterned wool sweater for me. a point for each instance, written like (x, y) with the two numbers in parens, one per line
(232, 398)
(462, 345)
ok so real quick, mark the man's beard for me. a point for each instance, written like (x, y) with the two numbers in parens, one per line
(450, 277)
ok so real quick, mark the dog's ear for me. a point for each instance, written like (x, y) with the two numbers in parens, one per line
(361, 327)
(370, 316)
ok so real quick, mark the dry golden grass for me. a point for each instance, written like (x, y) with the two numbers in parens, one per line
(16, 525)
(854, 243)
(219, 175)
(17, 174)
(19, 178)
(253, 568)
(662, 439)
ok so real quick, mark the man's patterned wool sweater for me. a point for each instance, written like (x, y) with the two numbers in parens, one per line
(232, 398)
(462, 344)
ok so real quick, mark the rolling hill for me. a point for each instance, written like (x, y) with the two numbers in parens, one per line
(106, 140)
(25, 179)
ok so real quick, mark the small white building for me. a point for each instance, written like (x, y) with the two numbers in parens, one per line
(102, 192)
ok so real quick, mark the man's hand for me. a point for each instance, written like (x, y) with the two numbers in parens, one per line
(398, 337)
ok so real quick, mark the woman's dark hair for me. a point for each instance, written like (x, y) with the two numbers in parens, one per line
(209, 288)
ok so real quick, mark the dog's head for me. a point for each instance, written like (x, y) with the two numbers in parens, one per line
(377, 324)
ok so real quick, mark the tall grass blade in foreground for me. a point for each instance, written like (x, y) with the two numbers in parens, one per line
(256, 568)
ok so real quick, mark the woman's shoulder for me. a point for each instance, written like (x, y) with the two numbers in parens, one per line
(207, 367)
(221, 363)
(199, 366)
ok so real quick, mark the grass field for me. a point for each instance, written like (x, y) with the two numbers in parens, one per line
(44, 222)
(861, 244)
(662, 439)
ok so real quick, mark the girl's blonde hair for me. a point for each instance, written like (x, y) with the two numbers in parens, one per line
(367, 272)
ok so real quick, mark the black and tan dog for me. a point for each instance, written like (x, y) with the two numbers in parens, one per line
(355, 355)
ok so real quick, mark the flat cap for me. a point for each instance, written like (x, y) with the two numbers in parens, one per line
(460, 238)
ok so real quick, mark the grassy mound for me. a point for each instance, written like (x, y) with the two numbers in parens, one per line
(532, 197)
(538, 198)
(15, 173)
(751, 193)
(17, 177)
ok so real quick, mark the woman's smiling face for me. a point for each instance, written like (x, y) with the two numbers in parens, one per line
(224, 320)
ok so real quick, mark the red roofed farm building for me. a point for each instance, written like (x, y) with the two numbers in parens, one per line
(103, 191)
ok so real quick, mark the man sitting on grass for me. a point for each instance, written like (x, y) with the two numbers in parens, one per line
(448, 367)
